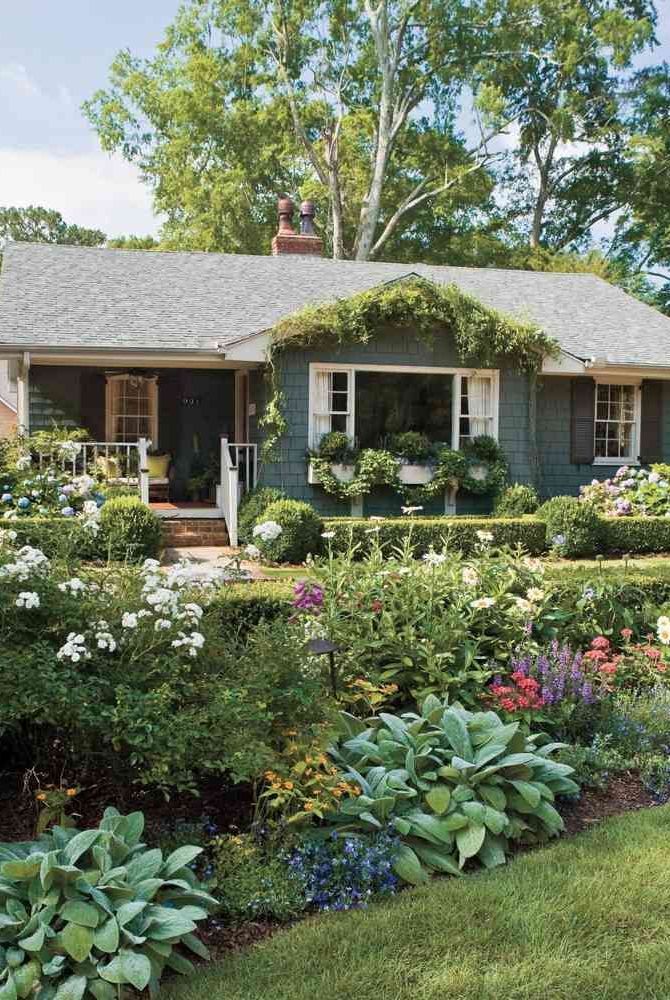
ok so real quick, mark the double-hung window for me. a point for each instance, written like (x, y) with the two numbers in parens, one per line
(617, 419)
(371, 403)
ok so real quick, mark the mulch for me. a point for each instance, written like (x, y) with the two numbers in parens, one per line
(624, 793)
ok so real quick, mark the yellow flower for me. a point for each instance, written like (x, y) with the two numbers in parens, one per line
(41, 796)
(71, 792)
(288, 784)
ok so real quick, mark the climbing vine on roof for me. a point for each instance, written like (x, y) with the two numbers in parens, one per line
(483, 337)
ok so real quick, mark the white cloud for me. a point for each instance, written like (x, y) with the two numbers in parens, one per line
(89, 189)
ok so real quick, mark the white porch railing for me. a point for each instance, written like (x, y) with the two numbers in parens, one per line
(239, 469)
(120, 462)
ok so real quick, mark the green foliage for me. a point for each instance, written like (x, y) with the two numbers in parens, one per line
(58, 537)
(516, 501)
(43, 225)
(411, 446)
(129, 530)
(594, 765)
(336, 447)
(573, 528)
(252, 507)
(636, 534)
(95, 912)
(252, 884)
(238, 608)
(455, 785)
(300, 535)
(424, 533)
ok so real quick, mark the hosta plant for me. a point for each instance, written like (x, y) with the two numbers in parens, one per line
(455, 785)
(89, 913)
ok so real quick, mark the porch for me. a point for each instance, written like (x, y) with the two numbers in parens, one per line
(178, 436)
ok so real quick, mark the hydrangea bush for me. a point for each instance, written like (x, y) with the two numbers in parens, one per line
(631, 491)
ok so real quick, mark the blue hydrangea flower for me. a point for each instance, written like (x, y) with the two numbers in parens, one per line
(68, 511)
(7, 498)
(23, 503)
(62, 499)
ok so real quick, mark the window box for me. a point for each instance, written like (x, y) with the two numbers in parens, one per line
(415, 475)
(345, 473)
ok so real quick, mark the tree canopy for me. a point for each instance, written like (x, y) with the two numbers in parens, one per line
(36, 224)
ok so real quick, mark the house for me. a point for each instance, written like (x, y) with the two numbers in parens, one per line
(171, 348)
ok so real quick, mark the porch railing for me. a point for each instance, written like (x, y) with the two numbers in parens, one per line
(120, 462)
(239, 470)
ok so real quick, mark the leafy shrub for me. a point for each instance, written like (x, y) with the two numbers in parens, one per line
(239, 608)
(345, 873)
(90, 913)
(424, 533)
(454, 785)
(573, 528)
(252, 508)
(411, 446)
(516, 501)
(58, 537)
(636, 535)
(638, 723)
(301, 529)
(595, 764)
(631, 491)
(336, 447)
(252, 883)
(129, 530)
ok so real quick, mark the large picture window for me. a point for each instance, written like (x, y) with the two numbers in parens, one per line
(132, 408)
(616, 430)
(371, 403)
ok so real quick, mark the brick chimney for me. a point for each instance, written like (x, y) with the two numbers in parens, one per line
(287, 241)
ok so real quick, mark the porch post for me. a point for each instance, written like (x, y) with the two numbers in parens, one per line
(23, 394)
(143, 469)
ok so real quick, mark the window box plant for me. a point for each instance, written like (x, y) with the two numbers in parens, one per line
(417, 460)
(335, 447)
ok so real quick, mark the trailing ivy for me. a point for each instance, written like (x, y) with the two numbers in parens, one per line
(484, 337)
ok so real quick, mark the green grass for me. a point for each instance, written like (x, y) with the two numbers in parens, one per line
(587, 917)
(608, 569)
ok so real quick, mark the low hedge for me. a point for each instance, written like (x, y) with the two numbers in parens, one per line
(57, 537)
(636, 534)
(455, 532)
(241, 606)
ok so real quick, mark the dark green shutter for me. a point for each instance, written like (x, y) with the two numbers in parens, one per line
(651, 426)
(582, 421)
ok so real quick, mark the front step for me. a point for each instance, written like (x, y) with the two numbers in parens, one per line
(195, 532)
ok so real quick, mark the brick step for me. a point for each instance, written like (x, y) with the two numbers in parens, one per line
(191, 532)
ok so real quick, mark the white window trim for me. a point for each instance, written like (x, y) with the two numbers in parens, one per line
(458, 373)
(109, 417)
(633, 459)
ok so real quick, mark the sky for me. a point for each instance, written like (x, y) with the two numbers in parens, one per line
(53, 55)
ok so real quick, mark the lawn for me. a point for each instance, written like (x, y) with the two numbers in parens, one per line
(584, 917)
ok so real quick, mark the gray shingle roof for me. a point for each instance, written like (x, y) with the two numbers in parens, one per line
(74, 297)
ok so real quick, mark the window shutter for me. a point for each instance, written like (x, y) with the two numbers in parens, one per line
(651, 425)
(582, 421)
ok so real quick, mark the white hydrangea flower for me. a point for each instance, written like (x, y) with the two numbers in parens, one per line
(24, 462)
(252, 551)
(84, 484)
(192, 643)
(73, 586)
(29, 562)
(105, 640)
(192, 611)
(268, 531)
(129, 619)
(28, 599)
(74, 648)
(161, 624)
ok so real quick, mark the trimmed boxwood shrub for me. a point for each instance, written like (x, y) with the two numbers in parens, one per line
(301, 532)
(252, 507)
(636, 534)
(129, 530)
(426, 532)
(574, 528)
(517, 500)
(241, 606)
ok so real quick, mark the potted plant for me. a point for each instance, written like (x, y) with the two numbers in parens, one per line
(415, 453)
(336, 449)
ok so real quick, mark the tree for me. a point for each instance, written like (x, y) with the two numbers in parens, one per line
(44, 225)
(565, 90)
(134, 243)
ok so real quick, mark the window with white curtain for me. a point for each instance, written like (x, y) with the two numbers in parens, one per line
(370, 403)
(476, 417)
(132, 408)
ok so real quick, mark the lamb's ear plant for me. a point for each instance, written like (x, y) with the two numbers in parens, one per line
(90, 913)
(455, 785)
